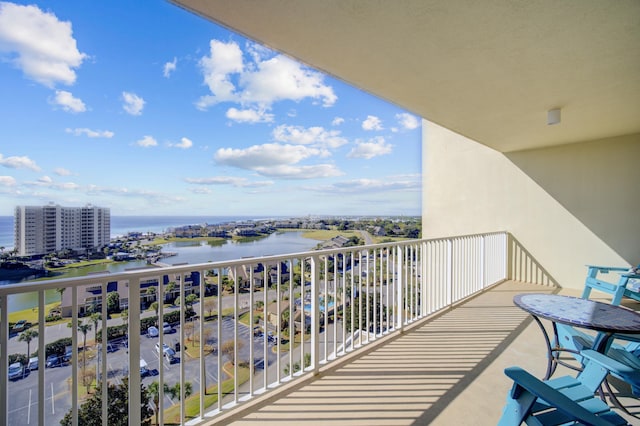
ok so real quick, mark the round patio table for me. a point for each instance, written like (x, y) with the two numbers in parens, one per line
(604, 318)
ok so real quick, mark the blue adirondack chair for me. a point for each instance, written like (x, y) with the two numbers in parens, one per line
(625, 347)
(563, 400)
(628, 284)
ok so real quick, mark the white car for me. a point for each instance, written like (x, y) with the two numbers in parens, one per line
(167, 352)
(152, 332)
(16, 371)
(33, 363)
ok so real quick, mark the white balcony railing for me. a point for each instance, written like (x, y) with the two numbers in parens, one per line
(278, 318)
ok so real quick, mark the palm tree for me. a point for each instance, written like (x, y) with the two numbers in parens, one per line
(154, 391)
(169, 289)
(61, 290)
(95, 318)
(84, 329)
(27, 336)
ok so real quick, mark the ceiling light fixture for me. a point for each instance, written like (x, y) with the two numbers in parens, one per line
(553, 116)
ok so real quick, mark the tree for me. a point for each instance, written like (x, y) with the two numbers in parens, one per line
(169, 289)
(296, 365)
(174, 390)
(189, 300)
(209, 306)
(27, 336)
(95, 319)
(113, 301)
(154, 392)
(84, 329)
(90, 413)
(228, 349)
(61, 290)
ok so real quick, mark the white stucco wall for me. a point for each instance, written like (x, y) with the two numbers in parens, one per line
(553, 209)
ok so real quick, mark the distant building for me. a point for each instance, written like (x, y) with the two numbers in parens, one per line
(40, 230)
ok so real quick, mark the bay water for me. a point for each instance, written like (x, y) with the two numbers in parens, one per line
(185, 252)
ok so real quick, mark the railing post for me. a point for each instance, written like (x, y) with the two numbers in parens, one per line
(449, 272)
(4, 361)
(41, 359)
(74, 356)
(134, 352)
(315, 315)
(400, 286)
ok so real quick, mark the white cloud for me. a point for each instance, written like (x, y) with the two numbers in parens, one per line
(133, 104)
(229, 180)
(62, 171)
(260, 82)
(41, 46)
(408, 121)
(19, 163)
(7, 181)
(266, 155)
(281, 78)
(169, 67)
(249, 116)
(68, 102)
(286, 171)
(201, 190)
(277, 160)
(147, 141)
(373, 148)
(90, 133)
(184, 144)
(359, 186)
(372, 123)
(225, 59)
(337, 121)
(45, 180)
(314, 136)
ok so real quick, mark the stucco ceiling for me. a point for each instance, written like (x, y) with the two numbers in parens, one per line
(489, 70)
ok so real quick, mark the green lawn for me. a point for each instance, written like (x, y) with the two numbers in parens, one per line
(192, 404)
(31, 315)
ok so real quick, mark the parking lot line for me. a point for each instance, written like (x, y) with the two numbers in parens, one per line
(29, 409)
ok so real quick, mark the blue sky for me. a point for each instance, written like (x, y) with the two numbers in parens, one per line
(150, 110)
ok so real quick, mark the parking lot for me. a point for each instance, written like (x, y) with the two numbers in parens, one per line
(23, 402)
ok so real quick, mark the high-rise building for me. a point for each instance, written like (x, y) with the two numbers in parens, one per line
(47, 229)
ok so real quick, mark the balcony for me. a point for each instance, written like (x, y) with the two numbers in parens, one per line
(414, 332)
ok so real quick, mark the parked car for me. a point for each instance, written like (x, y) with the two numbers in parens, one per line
(53, 361)
(68, 352)
(144, 368)
(33, 363)
(16, 371)
(21, 325)
(152, 332)
(110, 347)
(167, 329)
(167, 352)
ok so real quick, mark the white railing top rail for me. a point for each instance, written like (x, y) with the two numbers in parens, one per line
(152, 271)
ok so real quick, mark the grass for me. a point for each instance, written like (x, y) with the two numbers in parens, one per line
(31, 315)
(81, 264)
(192, 404)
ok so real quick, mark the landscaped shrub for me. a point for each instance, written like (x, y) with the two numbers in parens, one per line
(55, 348)
(21, 358)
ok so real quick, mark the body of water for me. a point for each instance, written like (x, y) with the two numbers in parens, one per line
(187, 252)
(122, 225)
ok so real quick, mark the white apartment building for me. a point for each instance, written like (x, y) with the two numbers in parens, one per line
(46, 229)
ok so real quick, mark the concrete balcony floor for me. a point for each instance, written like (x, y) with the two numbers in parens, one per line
(443, 370)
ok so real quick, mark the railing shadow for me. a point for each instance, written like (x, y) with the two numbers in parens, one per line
(524, 267)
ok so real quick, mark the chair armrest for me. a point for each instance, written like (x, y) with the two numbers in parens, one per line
(553, 397)
(609, 363)
(607, 269)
